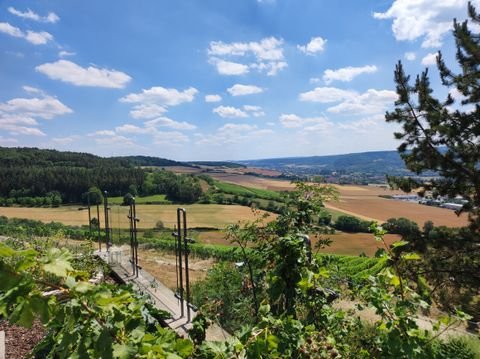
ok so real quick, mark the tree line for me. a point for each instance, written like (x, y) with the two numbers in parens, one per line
(35, 177)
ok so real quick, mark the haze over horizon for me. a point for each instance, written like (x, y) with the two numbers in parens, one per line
(213, 80)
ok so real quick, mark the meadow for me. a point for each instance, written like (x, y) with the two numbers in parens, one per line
(352, 244)
(199, 215)
(360, 201)
(364, 202)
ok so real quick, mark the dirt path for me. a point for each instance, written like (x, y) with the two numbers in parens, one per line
(163, 267)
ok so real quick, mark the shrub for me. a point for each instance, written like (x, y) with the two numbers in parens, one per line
(351, 224)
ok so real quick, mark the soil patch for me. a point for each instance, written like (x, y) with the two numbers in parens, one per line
(162, 266)
(20, 341)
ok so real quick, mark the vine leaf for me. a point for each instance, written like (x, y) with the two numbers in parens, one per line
(123, 351)
(58, 262)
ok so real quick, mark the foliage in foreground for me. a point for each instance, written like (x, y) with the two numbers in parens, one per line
(280, 291)
(84, 320)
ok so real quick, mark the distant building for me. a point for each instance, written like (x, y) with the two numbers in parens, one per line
(454, 206)
(406, 197)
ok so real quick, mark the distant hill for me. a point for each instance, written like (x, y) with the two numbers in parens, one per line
(149, 161)
(217, 164)
(375, 163)
(32, 172)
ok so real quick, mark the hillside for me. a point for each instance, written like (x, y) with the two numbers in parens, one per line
(373, 163)
(149, 161)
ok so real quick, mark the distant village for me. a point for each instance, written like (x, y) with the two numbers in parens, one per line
(455, 204)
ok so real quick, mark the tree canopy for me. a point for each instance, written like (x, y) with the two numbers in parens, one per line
(444, 136)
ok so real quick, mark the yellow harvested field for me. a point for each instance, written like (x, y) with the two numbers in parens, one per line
(364, 202)
(253, 181)
(183, 169)
(198, 215)
(356, 243)
(342, 243)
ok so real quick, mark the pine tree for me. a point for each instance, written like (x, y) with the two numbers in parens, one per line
(444, 136)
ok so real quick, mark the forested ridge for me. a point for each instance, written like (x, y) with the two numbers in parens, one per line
(31, 173)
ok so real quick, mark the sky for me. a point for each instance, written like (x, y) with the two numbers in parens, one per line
(213, 79)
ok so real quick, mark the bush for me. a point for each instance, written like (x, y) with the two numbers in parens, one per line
(402, 226)
(352, 224)
(454, 348)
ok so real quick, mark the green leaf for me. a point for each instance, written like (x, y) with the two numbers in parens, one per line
(83, 287)
(395, 280)
(272, 341)
(6, 251)
(399, 244)
(123, 351)
(40, 307)
(58, 262)
(411, 257)
(23, 314)
(184, 347)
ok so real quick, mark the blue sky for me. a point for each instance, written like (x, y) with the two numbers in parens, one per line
(212, 80)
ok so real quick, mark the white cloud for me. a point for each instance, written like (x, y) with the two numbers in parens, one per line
(267, 49)
(31, 89)
(167, 122)
(255, 111)
(8, 29)
(22, 130)
(115, 141)
(46, 107)
(241, 90)
(102, 133)
(65, 53)
(430, 59)
(127, 128)
(109, 137)
(230, 68)
(272, 68)
(36, 38)
(72, 73)
(326, 95)
(66, 140)
(371, 101)
(161, 96)
(425, 19)
(364, 125)
(229, 127)
(314, 123)
(229, 112)
(347, 74)
(316, 45)
(170, 138)
(29, 14)
(265, 55)
(410, 56)
(213, 98)
(14, 119)
(232, 133)
(146, 111)
(8, 141)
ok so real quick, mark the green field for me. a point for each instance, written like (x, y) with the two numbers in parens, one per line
(238, 190)
(154, 199)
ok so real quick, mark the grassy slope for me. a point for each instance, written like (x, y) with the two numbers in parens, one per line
(238, 190)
